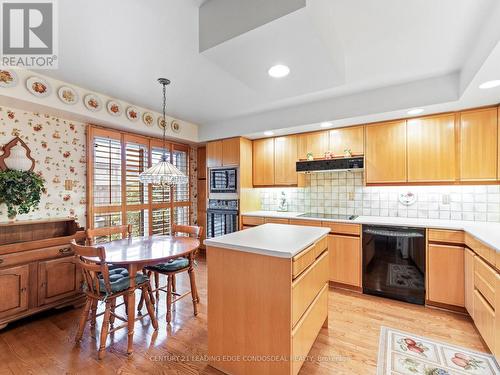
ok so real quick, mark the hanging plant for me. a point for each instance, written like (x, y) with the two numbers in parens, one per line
(20, 191)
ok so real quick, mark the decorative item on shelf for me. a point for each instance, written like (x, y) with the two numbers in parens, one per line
(148, 118)
(407, 198)
(329, 155)
(17, 156)
(114, 108)
(161, 122)
(92, 102)
(133, 114)
(163, 173)
(67, 95)
(38, 87)
(8, 78)
(347, 152)
(175, 126)
(310, 156)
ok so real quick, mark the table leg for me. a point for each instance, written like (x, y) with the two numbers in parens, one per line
(132, 271)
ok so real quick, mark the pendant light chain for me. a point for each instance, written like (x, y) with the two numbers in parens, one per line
(164, 121)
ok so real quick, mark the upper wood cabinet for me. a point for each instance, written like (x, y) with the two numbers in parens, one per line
(223, 153)
(431, 149)
(385, 152)
(202, 162)
(263, 162)
(347, 138)
(285, 157)
(317, 143)
(478, 145)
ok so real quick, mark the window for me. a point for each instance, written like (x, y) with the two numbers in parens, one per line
(117, 195)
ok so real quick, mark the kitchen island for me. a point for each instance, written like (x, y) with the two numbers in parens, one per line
(267, 297)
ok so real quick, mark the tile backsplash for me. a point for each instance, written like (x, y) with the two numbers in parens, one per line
(344, 193)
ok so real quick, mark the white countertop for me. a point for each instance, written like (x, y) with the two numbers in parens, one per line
(487, 232)
(278, 240)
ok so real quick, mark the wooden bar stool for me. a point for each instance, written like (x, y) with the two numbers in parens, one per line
(106, 285)
(170, 269)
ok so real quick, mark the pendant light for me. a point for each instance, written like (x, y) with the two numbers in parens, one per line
(163, 173)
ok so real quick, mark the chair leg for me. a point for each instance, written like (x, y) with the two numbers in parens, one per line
(104, 330)
(83, 320)
(112, 316)
(150, 292)
(141, 302)
(93, 313)
(174, 288)
(149, 307)
(125, 301)
(157, 285)
(194, 291)
(169, 299)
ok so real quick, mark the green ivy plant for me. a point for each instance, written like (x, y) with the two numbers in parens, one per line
(20, 191)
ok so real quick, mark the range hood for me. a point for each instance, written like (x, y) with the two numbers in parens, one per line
(330, 165)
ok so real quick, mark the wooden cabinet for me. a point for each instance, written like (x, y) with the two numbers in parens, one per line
(263, 162)
(285, 158)
(385, 152)
(214, 154)
(478, 145)
(13, 290)
(469, 281)
(446, 274)
(431, 149)
(202, 162)
(223, 153)
(484, 319)
(58, 279)
(317, 143)
(345, 259)
(347, 138)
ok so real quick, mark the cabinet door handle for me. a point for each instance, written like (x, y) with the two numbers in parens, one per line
(65, 250)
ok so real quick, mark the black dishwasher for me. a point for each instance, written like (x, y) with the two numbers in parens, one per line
(394, 263)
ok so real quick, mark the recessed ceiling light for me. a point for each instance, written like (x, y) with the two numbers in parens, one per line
(490, 84)
(326, 124)
(279, 71)
(415, 111)
(268, 133)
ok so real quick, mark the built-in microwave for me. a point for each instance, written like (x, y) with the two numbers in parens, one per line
(223, 180)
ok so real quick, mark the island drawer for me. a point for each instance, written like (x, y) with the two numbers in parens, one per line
(307, 223)
(34, 255)
(484, 280)
(343, 228)
(307, 286)
(306, 257)
(276, 220)
(484, 319)
(252, 220)
(305, 332)
(448, 236)
(480, 248)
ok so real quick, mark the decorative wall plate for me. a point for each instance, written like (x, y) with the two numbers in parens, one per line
(8, 78)
(148, 118)
(92, 102)
(67, 95)
(38, 87)
(407, 198)
(114, 108)
(133, 114)
(161, 123)
(175, 126)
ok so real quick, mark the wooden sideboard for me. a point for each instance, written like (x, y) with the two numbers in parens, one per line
(37, 268)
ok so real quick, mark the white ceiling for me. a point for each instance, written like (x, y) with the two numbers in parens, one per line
(350, 60)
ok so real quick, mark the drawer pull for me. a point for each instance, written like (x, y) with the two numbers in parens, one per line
(65, 250)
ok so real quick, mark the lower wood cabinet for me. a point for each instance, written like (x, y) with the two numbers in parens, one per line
(14, 290)
(484, 319)
(469, 281)
(446, 275)
(345, 259)
(58, 279)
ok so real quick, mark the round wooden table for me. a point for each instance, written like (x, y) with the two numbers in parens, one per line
(136, 253)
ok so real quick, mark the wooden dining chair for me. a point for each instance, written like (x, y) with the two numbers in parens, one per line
(92, 234)
(106, 285)
(170, 269)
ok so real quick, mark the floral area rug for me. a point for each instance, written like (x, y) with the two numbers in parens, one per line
(402, 353)
(404, 276)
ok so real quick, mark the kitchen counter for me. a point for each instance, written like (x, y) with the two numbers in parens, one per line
(278, 240)
(486, 232)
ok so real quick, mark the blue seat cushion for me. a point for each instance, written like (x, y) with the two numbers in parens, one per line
(119, 280)
(173, 265)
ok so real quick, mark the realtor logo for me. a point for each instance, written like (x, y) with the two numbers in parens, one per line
(29, 34)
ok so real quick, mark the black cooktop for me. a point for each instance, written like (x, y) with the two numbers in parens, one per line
(329, 216)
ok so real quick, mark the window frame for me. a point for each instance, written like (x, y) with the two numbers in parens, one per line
(123, 137)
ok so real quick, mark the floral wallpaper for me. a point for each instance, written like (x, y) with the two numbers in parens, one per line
(58, 146)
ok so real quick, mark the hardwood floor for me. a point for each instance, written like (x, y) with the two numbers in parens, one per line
(45, 344)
